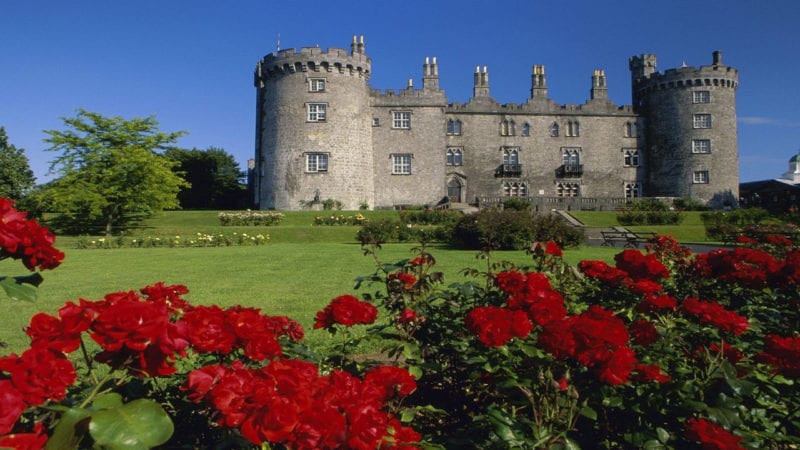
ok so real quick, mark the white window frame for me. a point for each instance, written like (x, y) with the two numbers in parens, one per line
(317, 84)
(701, 96)
(455, 156)
(571, 156)
(631, 157)
(526, 129)
(568, 190)
(515, 189)
(632, 189)
(701, 146)
(317, 162)
(554, 129)
(700, 177)
(316, 112)
(510, 155)
(573, 128)
(508, 127)
(401, 163)
(701, 120)
(630, 129)
(401, 120)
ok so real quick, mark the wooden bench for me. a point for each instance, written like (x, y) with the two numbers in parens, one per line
(629, 239)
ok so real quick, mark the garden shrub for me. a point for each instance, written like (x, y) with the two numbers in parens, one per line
(689, 204)
(517, 204)
(726, 225)
(250, 218)
(551, 227)
(430, 216)
(511, 230)
(340, 219)
(648, 212)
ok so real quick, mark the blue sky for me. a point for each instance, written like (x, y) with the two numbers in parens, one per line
(190, 63)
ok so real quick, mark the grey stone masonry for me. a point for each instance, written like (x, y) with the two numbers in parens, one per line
(322, 132)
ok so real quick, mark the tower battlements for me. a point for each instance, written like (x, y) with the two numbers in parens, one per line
(645, 79)
(315, 60)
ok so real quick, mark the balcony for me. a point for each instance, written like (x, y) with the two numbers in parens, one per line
(508, 170)
(569, 171)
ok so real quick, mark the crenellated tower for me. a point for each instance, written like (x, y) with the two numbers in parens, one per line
(313, 127)
(691, 135)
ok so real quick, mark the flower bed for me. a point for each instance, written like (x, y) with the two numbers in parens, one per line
(340, 219)
(250, 218)
(662, 349)
(197, 240)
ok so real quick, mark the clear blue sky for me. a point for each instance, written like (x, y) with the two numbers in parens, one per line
(190, 63)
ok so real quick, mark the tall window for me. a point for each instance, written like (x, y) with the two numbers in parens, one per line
(401, 120)
(633, 190)
(316, 84)
(701, 97)
(526, 129)
(571, 156)
(702, 121)
(515, 189)
(568, 190)
(631, 157)
(630, 129)
(317, 112)
(454, 127)
(554, 130)
(701, 145)
(510, 155)
(454, 155)
(508, 128)
(700, 177)
(573, 128)
(316, 162)
(401, 164)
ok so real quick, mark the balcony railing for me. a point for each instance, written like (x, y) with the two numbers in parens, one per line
(508, 170)
(570, 170)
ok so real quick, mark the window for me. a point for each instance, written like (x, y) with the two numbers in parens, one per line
(702, 121)
(508, 128)
(454, 156)
(454, 127)
(554, 130)
(401, 164)
(701, 97)
(515, 189)
(376, 122)
(510, 155)
(701, 145)
(700, 177)
(401, 120)
(316, 162)
(630, 129)
(568, 190)
(571, 156)
(317, 112)
(316, 84)
(526, 129)
(631, 157)
(573, 128)
(633, 190)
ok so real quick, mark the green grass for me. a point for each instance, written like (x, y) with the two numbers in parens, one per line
(690, 230)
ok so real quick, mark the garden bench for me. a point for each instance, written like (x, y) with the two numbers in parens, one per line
(630, 239)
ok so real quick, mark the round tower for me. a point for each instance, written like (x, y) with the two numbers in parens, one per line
(313, 128)
(691, 145)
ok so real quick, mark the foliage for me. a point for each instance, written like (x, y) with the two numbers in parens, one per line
(517, 204)
(213, 176)
(689, 204)
(109, 172)
(648, 212)
(250, 218)
(340, 219)
(16, 176)
(430, 216)
(194, 241)
(386, 230)
(25, 240)
(726, 225)
(495, 229)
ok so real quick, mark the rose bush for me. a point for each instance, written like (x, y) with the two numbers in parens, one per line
(662, 349)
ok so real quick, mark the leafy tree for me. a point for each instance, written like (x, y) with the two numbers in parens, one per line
(214, 176)
(110, 171)
(16, 176)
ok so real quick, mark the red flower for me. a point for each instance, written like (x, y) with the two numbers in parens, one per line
(496, 326)
(655, 303)
(39, 374)
(48, 331)
(407, 316)
(551, 248)
(26, 441)
(617, 368)
(651, 372)
(400, 281)
(11, 406)
(208, 329)
(711, 436)
(644, 287)
(510, 282)
(783, 354)
(640, 266)
(346, 310)
(391, 381)
(169, 295)
(713, 313)
(26, 240)
(643, 332)
(599, 270)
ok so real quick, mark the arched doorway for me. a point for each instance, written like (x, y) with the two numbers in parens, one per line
(454, 190)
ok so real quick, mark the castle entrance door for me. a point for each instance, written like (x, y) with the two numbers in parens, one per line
(454, 190)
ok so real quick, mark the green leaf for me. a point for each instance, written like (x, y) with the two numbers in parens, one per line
(589, 413)
(653, 445)
(569, 444)
(69, 431)
(415, 371)
(107, 401)
(140, 424)
(663, 435)
(21, 288)
(407, 415)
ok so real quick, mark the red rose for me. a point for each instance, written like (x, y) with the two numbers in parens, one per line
(11, 406)
(496, 326)
(651, 372)
(346, 310)
(640, 266)
(209, 331)
(26, 441)
(40, 374)
(48, 331)
(655, 303)
(400, 281)
(643, 332)
(713, 313)
(407, 316)
(601, 271)
(783, 354)
(391, 381)
(711, 436)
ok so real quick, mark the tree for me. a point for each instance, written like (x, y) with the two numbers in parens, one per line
(16, 176)
(214, 176)
(110, 170)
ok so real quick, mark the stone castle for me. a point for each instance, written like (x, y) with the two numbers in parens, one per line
(323, 133)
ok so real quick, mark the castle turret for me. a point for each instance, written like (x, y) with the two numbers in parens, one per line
(691, 137)
(599, 86)
(313, 133)
(481, 88)
(538, 82)
(430, 74)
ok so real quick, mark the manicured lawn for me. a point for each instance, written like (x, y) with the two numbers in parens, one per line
(690, 230)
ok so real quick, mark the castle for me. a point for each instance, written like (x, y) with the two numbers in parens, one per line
(323, 133)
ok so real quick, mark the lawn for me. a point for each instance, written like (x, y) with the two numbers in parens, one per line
(690, 230)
